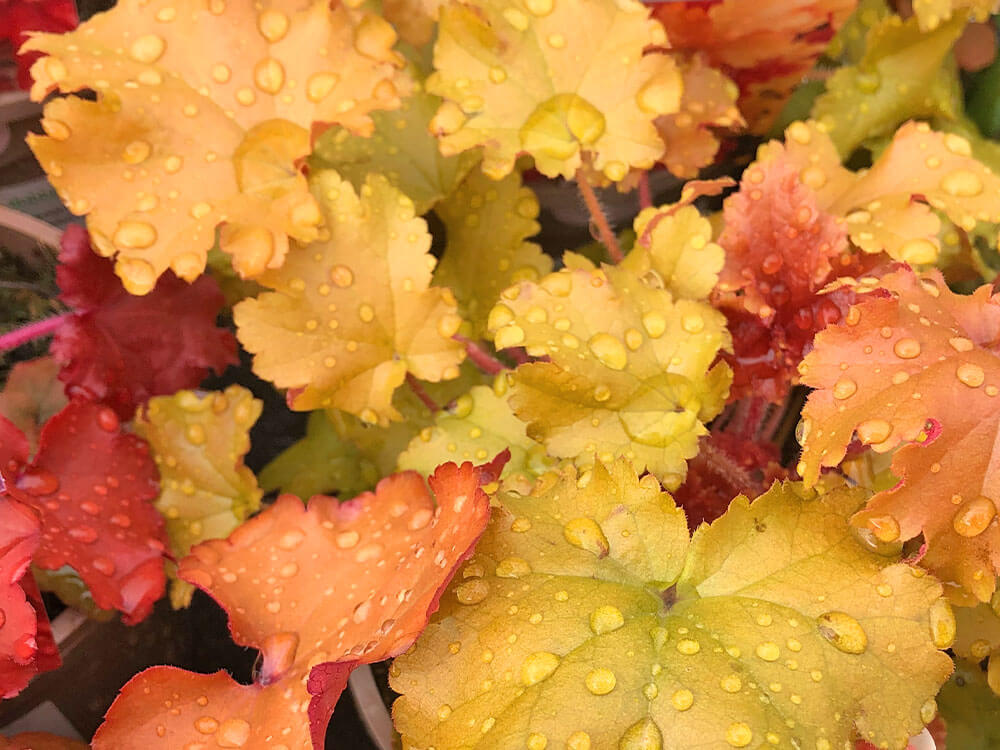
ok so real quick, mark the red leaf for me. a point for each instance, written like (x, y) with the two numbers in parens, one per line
(26, 646)
(17, 17)
(92, 486)
(124, 349)
(317, 589)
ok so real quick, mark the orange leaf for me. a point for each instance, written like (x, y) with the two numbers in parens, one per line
(39, 741)
(202, 114)
(317, 590)
(918, 366)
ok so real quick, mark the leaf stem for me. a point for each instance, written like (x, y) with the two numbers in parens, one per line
(480, 357)
(597, 217)
(422, 394)
(24, 334)
(724, 466)
(645, 194)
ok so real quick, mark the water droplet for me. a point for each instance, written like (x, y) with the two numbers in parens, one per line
(195, 434)
(508, 336)
(577, 740)
(843, 631)
(233, 733)
(844, 388)
(799, 132)
(136, 152)
(586, 534)
(272, 25)
(472, 592)
(918, 251)
(731, 683)
(884, 528)
(942, 623)
(907, 348)
(608, 350)
(768, 651)
(206, 724)
(688, 646)
(38, 482)
(970, 374)
(132, 235)
(103, 565)
(512, 567)
(342, 276)
(739, 734)
(538, 666)
(347, 539)
(962, 183)
(606, 619)
(974, 516)
(643, 735)
(692, 323)
(873, 431)
(269, 75)
(601, 681)
(682, 700)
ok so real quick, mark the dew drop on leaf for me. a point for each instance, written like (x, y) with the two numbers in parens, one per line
(843, 631)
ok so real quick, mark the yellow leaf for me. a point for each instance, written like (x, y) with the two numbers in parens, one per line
(352, 313)
(198, 443)
(558, 80)
(630, 373)
(586, 619)
(486, 223)
(203, 111)
(932, 12)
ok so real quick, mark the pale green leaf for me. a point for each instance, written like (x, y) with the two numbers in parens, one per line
(971, 711)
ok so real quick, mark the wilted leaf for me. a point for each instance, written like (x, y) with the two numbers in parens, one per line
(904, 73)
(486, 223)
(917, 368)
(402, 149)
(351, 314)
(765, 47)
(95, 509)
(586, 619)
(358, 581)
(629, 372)
(31, 395)
(202, 114)
(123, 349)
(559, 81)
(198, 443)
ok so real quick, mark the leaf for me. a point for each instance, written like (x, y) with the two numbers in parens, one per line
(348, 337)
(932, 12)
(921, 374)
(358, 581)
(562, 82)
(904, 73)
(198, 443)
(39, 741)
(24, 651)
(486, 223)
(970, 709)
(709, 100)
(402, 149)
(479, 425)
(181, 138)
(95, 509)
(629, 372)
(979, 638)
(103, 347)
(19, 19)
(766, 48)
(586, 619)
(31, 395)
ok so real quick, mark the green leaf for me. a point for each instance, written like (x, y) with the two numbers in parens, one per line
(31, 395)
(475, 428)
(904, 73)
(970, 709)
(979, 637)
(630, 373)
(402, 149)
(586, 619)
(198, 443)
(486, 223)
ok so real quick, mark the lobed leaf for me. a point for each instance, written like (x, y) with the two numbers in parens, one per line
(917, 368)
(123, 349)
(486, 224)
(562, 81)
(587, 619)
(317, 589)
(342, 333)
(970, 710)
(31, 395)
(180, 141)
(932, 12)
(198, 444)
(630, 368)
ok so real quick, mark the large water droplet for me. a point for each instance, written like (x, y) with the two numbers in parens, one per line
(38, 482)
(843, 631)
(942, 623)
(962, 183)
(608, 350)
(538, 666)
(233, 733)
(974, 516)
(606, 619)
(601, 681)
(739, 734)
(643, 735)
(586, 534)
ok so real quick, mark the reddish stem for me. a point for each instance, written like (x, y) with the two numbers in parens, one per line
(597, 218)
(23, 335)
(422, 394)
(726, 467)
(645, 194)
(480, 357)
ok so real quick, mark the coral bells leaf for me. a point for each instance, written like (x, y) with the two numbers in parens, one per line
(932, 12)
(198, 444)
(979, 638)
(19, 17)
(31, 395)
(352, 314)
(970, 710)
(124, 349)
(630, 368)
(23, 649)
(917, 368)
(318, 590)
(560, 81)
(766, 47)
(39, 741)
(487, 223)
(181, 139)
(587, 618)
(91, 485)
